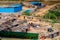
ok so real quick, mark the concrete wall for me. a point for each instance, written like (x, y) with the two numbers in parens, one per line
(9, 2)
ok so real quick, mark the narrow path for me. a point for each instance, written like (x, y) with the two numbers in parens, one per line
(42, 11)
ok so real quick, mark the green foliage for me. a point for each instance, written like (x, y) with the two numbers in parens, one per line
(27, 14)
(54, 21)
(57, 13)
(52, 14)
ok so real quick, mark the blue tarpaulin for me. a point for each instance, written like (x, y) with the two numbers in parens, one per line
(36, 3)
(11, 9)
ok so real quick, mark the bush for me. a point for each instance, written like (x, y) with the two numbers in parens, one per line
(27, 14)
(52, 14)
(57, 13)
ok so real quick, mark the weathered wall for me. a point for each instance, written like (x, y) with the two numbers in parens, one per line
(9, 2)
